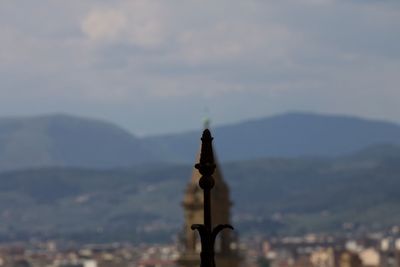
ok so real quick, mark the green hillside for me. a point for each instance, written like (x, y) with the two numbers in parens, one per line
(270, 196)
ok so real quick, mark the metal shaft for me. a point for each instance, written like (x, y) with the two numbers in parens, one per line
(206, 167)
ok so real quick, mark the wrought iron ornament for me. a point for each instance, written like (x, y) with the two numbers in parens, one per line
(206, 167)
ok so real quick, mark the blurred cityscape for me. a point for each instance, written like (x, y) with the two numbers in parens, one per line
(312, 250)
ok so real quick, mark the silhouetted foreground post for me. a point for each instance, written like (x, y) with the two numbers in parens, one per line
(206, 167)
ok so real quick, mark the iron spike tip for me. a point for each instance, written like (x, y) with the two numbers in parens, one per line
(206, 137)
(206, 166)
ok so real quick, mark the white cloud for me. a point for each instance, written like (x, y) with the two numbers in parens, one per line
(139, 22)
(104, 25)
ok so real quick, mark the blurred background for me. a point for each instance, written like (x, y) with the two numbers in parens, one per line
(102, 106)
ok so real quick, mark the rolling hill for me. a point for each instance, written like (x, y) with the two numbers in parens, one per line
(271, 196)
(61, 140)
(286, 135)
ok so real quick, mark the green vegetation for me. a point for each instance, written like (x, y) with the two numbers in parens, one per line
(274, 196)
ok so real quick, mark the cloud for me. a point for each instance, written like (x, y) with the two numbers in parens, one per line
(318, 2)
(137, 22)
(230, 41)
(156, 57)
(104, 25)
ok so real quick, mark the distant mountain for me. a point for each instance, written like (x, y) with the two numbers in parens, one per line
(374, 152)
(287, 135)
(61, 140)
(68, 141)
(270, 196)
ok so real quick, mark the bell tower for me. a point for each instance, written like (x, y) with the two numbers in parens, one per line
(226, 247)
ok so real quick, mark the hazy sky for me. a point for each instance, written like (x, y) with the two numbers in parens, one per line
(157, 66)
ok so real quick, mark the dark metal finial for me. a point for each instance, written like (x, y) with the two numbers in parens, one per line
(206, 167)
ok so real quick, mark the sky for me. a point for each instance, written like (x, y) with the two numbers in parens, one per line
(157, 66)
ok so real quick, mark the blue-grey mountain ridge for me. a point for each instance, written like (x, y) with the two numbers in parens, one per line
(68, 141)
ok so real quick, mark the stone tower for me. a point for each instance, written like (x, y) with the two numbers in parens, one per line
(226, 248)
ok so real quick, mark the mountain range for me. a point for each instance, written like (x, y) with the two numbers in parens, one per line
(81, 179)
(286, 135)
(67, 141)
